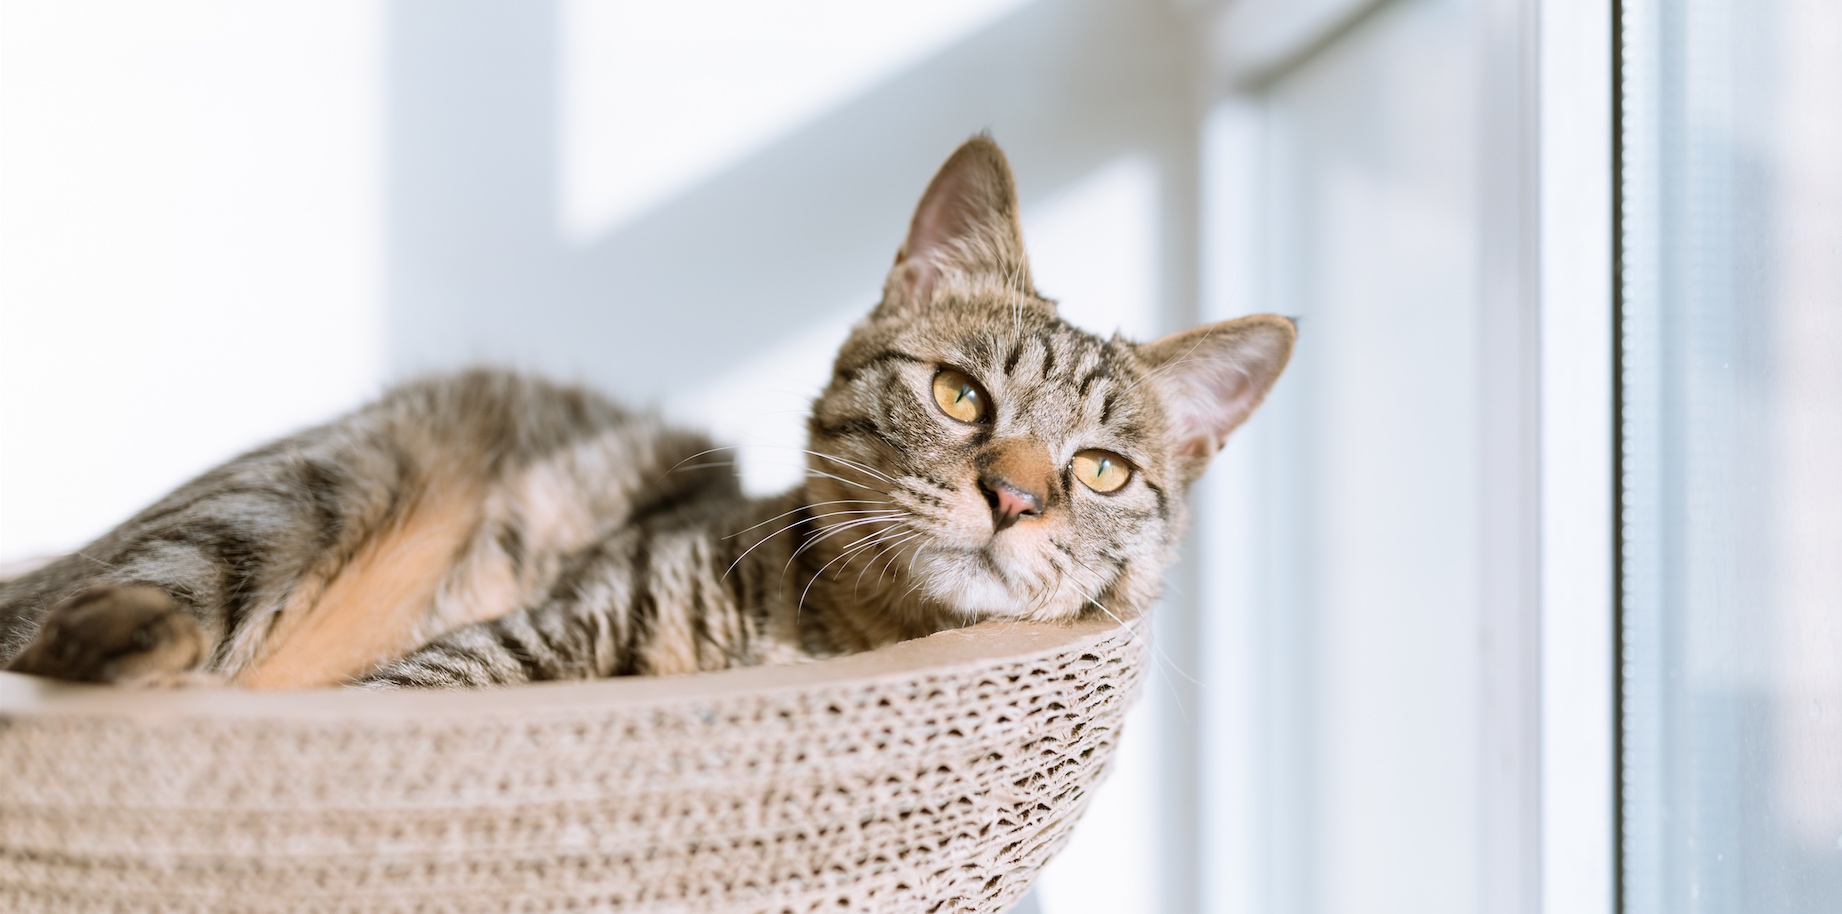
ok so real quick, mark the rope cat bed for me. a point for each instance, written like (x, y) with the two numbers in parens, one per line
(934, 775)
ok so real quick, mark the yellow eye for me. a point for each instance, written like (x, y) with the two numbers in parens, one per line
(1101, 471)
(958, 397)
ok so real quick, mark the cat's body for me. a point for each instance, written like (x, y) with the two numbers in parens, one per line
(973, 457)
(449, 502)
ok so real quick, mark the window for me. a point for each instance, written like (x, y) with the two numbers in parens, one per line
(1732, 456)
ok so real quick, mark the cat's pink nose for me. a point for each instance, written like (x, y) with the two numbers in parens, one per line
(1009, 503)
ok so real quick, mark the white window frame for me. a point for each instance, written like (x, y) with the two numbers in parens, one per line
(1549, 687)
(1579, 765)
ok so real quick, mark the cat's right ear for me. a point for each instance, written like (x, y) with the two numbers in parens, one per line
(965, 228)
(1211, 378)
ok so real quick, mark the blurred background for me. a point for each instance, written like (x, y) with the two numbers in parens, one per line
(1520, 594)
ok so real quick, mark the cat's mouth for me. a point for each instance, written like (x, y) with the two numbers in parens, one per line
(988, 580)
(977, 567)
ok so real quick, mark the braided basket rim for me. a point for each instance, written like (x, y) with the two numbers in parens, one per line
(965, 650)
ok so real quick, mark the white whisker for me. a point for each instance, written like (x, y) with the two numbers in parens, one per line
(857, 547)
(891, 549)
(771, 536)
(830, 532)
(839, 501)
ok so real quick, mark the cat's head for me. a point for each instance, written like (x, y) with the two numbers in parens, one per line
(976, 457)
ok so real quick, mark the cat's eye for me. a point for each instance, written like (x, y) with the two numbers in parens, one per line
(959, 397)
(1102, 471)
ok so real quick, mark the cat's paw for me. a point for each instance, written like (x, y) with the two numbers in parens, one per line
(120, 634)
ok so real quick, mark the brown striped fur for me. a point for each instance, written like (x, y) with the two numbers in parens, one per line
(489, 528)
(373, 609)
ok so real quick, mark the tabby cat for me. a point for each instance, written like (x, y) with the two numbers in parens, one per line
(972, 457)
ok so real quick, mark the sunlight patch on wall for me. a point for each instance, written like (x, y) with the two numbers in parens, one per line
(650, 103)
(1094, 249)
(190, 244)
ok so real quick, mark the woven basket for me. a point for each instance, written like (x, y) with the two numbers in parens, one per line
(935, 775)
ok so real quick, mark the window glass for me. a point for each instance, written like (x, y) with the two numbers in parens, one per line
(1732, 456)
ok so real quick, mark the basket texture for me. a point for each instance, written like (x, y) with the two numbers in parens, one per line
(935, 775)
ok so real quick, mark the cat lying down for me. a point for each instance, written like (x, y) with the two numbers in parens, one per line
(973, 457)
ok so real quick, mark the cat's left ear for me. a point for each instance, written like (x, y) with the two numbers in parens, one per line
(964, 228)
(1212, 377)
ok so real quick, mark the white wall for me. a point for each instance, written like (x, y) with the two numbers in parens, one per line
(190, 244)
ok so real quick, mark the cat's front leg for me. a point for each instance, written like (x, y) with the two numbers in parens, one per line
(582, 630)
(641, 602)
(498, 652)
(130, 634)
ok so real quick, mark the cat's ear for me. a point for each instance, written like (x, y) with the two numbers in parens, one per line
(965, 227)
(1212, 377)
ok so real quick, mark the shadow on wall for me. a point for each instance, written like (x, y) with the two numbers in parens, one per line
(479, 268)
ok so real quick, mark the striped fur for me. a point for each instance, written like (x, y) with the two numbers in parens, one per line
(488, 528)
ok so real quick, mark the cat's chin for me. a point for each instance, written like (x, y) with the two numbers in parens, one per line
(970, 583)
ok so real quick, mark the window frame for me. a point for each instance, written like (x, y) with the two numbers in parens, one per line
(1549, 663)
